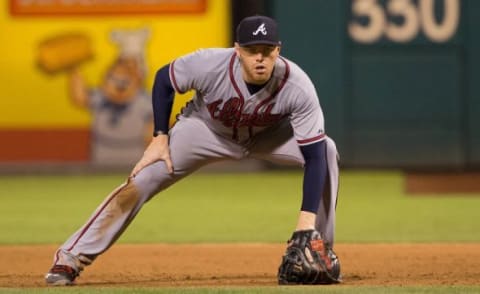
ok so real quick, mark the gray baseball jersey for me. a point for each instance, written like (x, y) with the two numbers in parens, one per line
(223, 121)
(223, 102)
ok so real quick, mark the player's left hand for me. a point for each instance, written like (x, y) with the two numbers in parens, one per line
(307, 260)
(157, 150)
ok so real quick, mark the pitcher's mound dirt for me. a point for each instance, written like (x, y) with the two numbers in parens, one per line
(167, 265)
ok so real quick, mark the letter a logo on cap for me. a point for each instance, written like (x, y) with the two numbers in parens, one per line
(261, 29)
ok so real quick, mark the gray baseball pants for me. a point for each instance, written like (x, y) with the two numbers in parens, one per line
(192, 145)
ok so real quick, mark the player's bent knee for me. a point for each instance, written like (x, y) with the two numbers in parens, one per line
(152, 179)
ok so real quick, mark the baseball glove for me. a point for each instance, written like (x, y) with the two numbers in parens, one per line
(308, 261)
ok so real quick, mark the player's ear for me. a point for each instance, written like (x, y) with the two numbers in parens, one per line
(237, 49)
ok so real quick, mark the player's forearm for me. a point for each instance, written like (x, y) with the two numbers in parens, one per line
(314, 179)
(162, 100)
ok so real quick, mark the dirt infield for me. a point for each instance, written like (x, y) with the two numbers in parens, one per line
(442, 182)
(247, 265)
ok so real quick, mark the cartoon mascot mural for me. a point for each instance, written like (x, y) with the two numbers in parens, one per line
(122, 120)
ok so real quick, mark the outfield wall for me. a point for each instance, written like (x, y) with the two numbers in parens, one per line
(399, 81)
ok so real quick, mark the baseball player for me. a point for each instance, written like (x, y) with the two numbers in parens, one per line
(249, 102)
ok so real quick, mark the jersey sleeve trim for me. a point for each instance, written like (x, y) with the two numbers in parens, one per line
(311, 140)
(174, 80)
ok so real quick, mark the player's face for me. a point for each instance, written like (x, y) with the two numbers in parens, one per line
(257, 62)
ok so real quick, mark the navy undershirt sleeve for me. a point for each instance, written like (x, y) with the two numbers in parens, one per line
(162, 99)
(315, 175)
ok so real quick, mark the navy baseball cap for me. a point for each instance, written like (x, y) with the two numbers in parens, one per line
(257, 29)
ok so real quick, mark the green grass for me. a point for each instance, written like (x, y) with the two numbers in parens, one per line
(263, 290)
(259, 207)
(374, 208)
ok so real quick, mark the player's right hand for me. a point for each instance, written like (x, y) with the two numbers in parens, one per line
(157, 150)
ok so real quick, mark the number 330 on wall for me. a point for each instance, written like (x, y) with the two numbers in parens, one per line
(414, 17)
